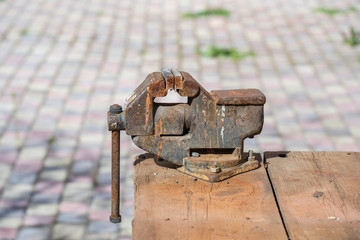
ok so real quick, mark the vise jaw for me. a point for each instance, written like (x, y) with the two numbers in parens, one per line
(203, 137)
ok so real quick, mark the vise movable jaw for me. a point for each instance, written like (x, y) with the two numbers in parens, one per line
(204, 137)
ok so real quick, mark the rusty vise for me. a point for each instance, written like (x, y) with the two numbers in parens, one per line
(203, 137)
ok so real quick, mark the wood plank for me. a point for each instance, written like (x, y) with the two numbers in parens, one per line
(318, 193)
(172, 205)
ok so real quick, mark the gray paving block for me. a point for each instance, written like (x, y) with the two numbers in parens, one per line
(45, 198)
(34, 233)
(102, 226)
(72, 218)
(12, 212)
(82, 167)
(67, 231)
(18, 177)
(17, 191)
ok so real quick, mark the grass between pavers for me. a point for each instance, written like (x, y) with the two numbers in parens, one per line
(353, 39)
(334, 11)
(232, 53)
(51, 140)
(208, 12)
(24, 32)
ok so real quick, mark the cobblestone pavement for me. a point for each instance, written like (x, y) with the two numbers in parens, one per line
(62, 63)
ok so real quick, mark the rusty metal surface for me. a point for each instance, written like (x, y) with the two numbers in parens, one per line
(139, 112)
(172, 119)
(169, 78)
(115, 177)
(206, 173)
(193, 135)
(239, 97)
(178, 79)
(190, 87)
(116, 121)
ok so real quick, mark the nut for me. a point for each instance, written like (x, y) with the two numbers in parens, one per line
(214, 169)
(251, 156)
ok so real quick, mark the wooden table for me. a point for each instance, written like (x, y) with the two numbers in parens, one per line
(301, 195)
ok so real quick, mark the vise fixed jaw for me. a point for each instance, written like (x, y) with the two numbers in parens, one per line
(203, 137)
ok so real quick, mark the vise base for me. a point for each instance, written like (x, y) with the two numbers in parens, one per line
(219, 166)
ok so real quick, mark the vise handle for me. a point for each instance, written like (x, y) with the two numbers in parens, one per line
(115, 216)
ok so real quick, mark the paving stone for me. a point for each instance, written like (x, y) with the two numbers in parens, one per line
(67, 231)
(77, 195)
(45, 198)
(18, 177)
(100, 215)
(42, 209)
(54, 174)
(10, 222)
(4, 173)
(8, 233)
(102, 226)
(73, 207)
(12, 212)
(17, 191)
(104, 236)
(82, 167)
(34, 233)
(38, 220)
(68, 217)
(55, 188)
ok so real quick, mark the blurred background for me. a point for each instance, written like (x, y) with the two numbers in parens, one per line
(63, 62)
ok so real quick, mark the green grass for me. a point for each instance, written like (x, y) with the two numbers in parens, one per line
(208, 12)
(334, 11)
(51, 140)
(353, 39)
(24, 32)
(232, 53)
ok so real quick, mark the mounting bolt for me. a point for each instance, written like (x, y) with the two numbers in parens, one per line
(214, 169)
(251, 156)
(195, 154)
(116, 109)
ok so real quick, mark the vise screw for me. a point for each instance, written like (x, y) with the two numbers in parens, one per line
(203, 137)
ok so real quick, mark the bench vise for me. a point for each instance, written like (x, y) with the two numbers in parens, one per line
(203, 137)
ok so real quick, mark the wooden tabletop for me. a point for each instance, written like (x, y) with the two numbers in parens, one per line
(318, 193)
(301, 195)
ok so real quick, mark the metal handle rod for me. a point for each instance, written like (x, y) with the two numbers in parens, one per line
(115, 177)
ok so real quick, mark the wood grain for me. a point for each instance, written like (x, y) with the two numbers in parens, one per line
(172, 205)
(318, 193)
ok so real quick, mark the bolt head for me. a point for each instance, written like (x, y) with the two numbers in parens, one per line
(116, 109)
(214, 169)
